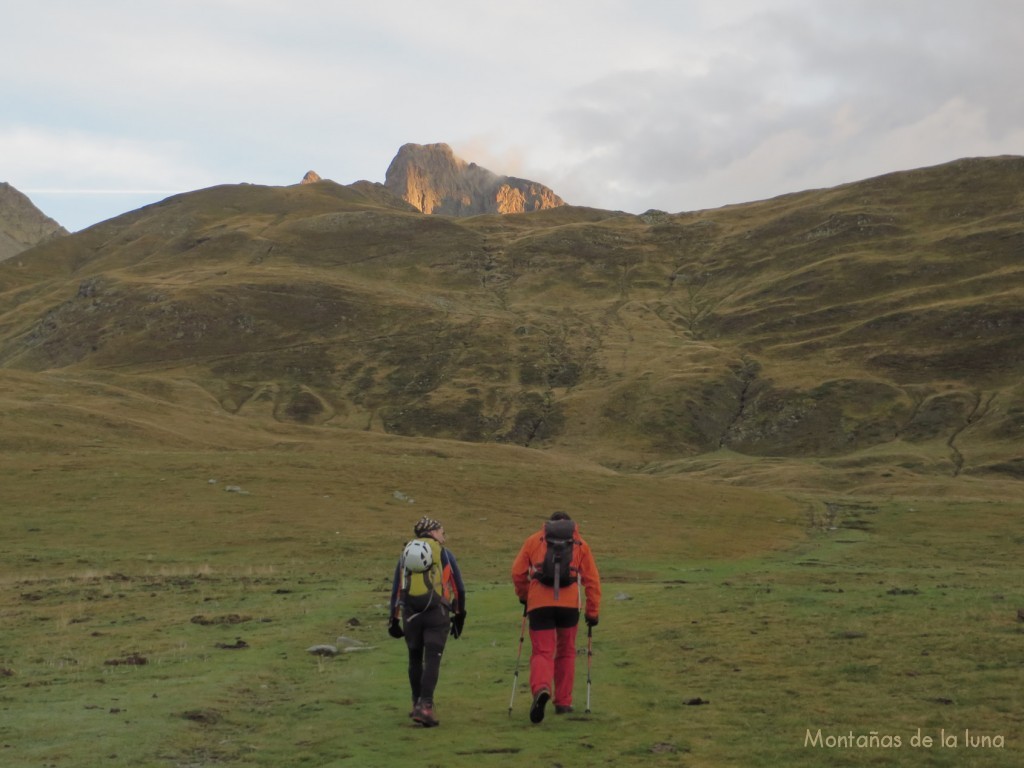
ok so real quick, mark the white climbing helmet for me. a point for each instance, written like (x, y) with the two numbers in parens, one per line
(417, 556)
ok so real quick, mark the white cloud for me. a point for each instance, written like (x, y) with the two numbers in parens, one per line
(614, 103)
(788, 102)
(43, 159)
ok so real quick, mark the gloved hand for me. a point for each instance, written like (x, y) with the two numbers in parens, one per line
(591, 621)
(394, 628)
(458, 622)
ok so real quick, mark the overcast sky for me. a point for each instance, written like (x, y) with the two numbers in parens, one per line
(679, 105)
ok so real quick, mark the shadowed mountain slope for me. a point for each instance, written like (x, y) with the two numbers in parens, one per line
(874, 329)
(22, 225)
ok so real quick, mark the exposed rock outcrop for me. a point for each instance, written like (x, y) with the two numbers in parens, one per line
(22, 225)
(311, 177)
(432, 179)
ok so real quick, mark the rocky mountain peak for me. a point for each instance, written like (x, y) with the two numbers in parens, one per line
(311, 177)
(22, 225)
(433, 179)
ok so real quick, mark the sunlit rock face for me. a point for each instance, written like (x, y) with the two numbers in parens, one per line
(432, 179)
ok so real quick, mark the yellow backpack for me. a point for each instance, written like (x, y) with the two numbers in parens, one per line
(422, 573)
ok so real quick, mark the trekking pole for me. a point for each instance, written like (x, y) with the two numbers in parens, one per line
(515, 676)
(590, 653)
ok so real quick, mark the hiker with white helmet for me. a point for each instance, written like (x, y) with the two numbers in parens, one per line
(429, 596)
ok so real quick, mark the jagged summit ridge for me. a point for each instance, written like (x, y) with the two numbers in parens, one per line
(433, 179)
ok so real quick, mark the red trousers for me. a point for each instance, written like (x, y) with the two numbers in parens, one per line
(553, 662)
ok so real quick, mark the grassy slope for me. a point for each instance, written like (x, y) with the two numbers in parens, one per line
(784, 613)
(878, 316)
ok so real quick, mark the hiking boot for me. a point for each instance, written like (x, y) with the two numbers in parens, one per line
(423, 713)
(539, 702)
(563, 709)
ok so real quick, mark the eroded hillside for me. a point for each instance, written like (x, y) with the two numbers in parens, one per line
(879, 324)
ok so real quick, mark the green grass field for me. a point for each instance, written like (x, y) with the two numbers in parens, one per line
(152, 617)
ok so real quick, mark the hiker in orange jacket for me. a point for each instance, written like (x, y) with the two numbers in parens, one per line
(553, 604)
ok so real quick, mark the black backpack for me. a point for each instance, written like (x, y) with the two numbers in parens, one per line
(556, 570)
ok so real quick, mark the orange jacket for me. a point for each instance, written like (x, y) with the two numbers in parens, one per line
(537, 595)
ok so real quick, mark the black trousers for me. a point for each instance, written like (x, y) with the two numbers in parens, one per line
(553, 617)
(426, 633)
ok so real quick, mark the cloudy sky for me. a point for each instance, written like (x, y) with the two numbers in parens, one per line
(679, 105)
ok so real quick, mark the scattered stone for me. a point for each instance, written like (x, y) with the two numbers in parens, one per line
(133, 659)
(696, 702)
(403, 497)
(235, 489)
(231, 618)
(323, 650)
(350, 644)
(353, 622)
(663, 747)
(205, 716)
(235, 646)
(623, 596)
